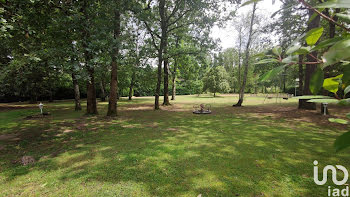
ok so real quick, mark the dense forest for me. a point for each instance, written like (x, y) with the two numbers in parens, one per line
(109, 49)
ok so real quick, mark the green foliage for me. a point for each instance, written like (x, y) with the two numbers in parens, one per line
(343, 17)
(335, 101)
(313, 97)
(332, 84)
(272, 73)
(216, 80)
(316, 81)
(337, 120)
(335, 4)
(277, 50)
(339, 51)
(313, 36)
(342, 141)
(267, 61)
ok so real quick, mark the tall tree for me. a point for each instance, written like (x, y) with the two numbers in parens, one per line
(246, 60)
(310, 68)
(113, 97)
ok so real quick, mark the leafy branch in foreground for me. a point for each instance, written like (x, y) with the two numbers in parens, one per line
(337, 52)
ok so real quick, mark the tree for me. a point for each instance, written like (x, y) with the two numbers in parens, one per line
(216, 80)
(112, 104)
(246, 60)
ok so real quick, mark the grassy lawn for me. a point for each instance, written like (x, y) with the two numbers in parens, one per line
(258, 150)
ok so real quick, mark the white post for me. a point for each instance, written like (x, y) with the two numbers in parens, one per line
(41, 106)
(324, 108)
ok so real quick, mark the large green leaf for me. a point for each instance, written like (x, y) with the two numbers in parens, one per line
(293, 48)
(277, 50)
(303, 51)
(347, 90)
(346, 75)
(339, 51)
(313, 36)
(338, 120)
(326, 43)
(316, 81)
(343, 17)
(323, 101)
(272, 73)
(335, 4)
(250, 2)
(313, 97)
(290, 59)
(332, 84)
(342, 142)
(267, 61)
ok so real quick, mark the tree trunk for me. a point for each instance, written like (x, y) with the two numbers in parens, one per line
(91, 93)
(113, 96)
(331, 25)
(91, 107)
(173, 90)
(239, 59)
(301, 75)
(76, 93)
(160, 51)
(214, 94)
(246, 60)
(131, 85)
(51, 96)
(166, 81)
(166, 59)
(103, 91)
(173, 95)
(310, 68)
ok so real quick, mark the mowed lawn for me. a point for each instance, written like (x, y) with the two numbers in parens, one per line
(258, 150)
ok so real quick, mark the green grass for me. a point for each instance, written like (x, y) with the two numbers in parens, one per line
(165, 153)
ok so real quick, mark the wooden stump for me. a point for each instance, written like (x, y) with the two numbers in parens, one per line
(303, 104)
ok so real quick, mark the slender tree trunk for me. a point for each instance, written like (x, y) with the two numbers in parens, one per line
(173, 91)
(301, 74)
(103, 90)
(132, 85)
(214, 94)
(76, 93)
(239, 58)
(310, 68)
(284, 80)
(330, 24)
(246, 60)
(173, 95)
(166, 78)
(113, 96)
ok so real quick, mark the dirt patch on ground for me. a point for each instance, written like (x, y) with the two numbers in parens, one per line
(138, 107)
(172, 129)
(174, 108)
(292, 114)
(9, 137)
(7, 107)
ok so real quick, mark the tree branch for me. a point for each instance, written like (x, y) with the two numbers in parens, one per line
(151, 32)
(324, 16)
(180, 17)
